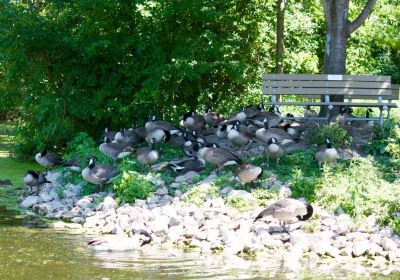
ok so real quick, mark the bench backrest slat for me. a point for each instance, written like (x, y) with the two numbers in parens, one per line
(325, 84)
(324, 77)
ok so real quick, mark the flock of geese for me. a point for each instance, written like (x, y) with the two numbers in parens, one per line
(208, 137)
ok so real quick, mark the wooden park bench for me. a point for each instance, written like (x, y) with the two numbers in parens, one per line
(317, 89)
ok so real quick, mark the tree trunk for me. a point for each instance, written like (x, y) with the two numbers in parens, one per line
(338, 30)
(280, 36)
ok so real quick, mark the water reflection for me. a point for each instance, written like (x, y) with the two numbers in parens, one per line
(33, 253)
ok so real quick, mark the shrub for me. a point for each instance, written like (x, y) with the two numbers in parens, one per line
(132, 185)
(316, 133)
(198, 195)
(385, 140)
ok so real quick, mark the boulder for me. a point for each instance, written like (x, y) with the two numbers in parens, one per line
(241, 194)
(187, 177)
(388, 244)
(360, 247)
(108, 204)
(84, 202)
(46, 197)
(30, 201)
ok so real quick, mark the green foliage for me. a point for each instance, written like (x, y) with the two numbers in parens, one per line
(317, 133)
(132, 185)
(263, 195)
(240, 204)
(385, 140)
(198, 194)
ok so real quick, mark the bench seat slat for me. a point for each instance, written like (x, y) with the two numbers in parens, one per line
(326, 84)
(353, 104)
(326, 91)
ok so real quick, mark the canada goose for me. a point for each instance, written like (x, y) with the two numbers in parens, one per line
(147, 155)
(191, 164)
(73, 165)
(218, 156)
(253, 111)
(239, 135)
(273, 116)
(266, 133)
(248, 173)
(291, 126)
(274, 150)
(98, 174)
(326, 154)
(240, 116)
(114, 150)
(309, 113)
(191, 120)
(287, 210)
(212, 118)
(127, 137)
(47, 159)
(188, 145)
(364, 123)
(159, 135)
(119, 243)
(110, 134)
(163, 125)
(345, 112)
(35, 179)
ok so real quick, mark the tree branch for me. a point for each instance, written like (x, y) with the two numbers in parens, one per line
(353, 26)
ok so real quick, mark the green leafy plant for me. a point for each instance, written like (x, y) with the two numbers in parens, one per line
(132, 185)
(316, 133)
(385, 140)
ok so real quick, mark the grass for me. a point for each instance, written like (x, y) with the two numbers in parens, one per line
(10, 168)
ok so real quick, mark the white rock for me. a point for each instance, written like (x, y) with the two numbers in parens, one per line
(340, 242)
(212, 234)
(46, 197)
(241, 194)
(178, 193)
(84, 202)
(360, 247)
(371, 221)
(78, 220)
(388, 244)
(328, 222)
(175, 233)
(187, 177)
(226, 190)
(92, 222)
(30, 201)
(174, 221)
(376, 238)
(386, 232)
(155, 180)
(299, 238)
(284, 191)
(217, 202)
(68, 194)
(162, 191)
(108, 203)
(291, 259)
(201, 235)
(160, 225)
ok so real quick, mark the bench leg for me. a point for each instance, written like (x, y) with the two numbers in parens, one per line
(388, 115)
(380, 117)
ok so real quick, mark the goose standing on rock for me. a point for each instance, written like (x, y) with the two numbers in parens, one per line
(326, 153)
(120, 243)
(273, 150)
(287, 210)
(218, 156)
(114, 150)
(248, 173)
(99, 174)
(35, 179)
(73, 165)
(47, 159)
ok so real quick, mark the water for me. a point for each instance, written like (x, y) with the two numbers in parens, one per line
(29, 250)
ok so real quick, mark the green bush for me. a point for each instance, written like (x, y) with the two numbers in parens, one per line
(385, 140)
(132, 185)
(316, 133)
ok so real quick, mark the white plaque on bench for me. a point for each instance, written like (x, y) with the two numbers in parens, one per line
(335, 77)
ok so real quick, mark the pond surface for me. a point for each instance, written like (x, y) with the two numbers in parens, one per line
(29, 250)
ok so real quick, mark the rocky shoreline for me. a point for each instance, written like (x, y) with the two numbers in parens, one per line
(217, 227)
